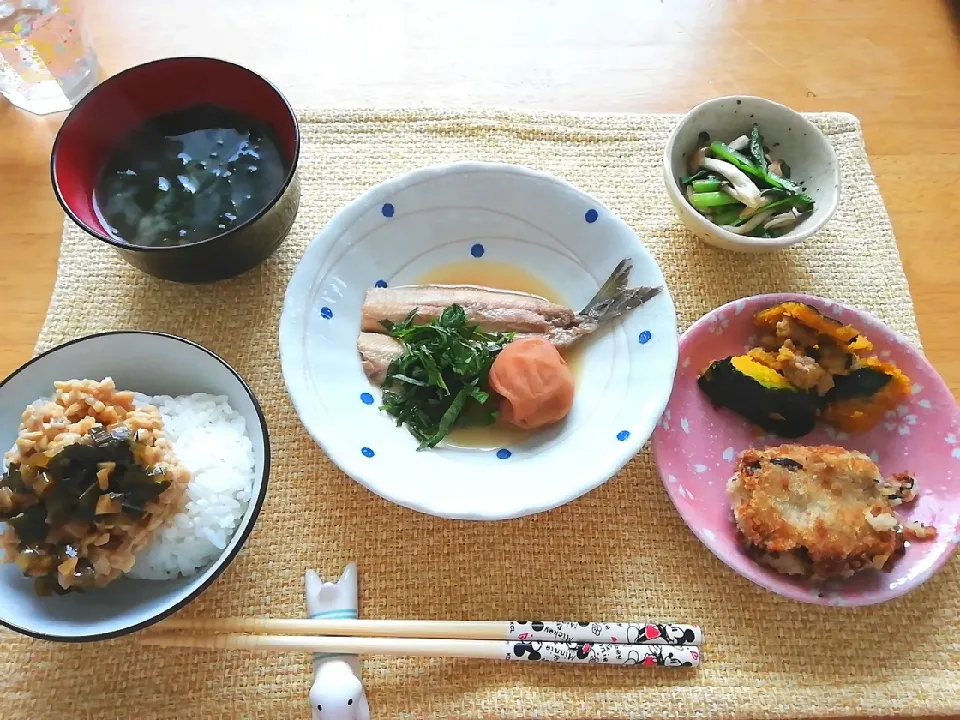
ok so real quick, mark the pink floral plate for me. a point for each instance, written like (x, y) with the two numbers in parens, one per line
(696, 446)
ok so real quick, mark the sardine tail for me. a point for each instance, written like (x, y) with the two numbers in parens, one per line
(622, 303)
(612, 286)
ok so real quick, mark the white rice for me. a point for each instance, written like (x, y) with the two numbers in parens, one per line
(210, 440)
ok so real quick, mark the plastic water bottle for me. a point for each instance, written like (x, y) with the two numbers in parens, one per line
(46, 66)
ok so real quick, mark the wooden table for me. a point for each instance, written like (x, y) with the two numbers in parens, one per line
(893, 63)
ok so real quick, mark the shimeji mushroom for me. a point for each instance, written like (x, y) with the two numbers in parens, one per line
(731, 191)
(747, 192)
(696, 159)
(782, 220)
(740, 144)
(748, 212)
(748, 226)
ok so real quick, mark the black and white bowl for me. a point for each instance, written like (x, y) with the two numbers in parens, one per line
(153, 364)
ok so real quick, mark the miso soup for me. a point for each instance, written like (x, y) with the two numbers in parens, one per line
(188, 176)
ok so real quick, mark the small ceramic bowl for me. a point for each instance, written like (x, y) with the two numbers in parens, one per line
(476, 215)
(791, 138)
(151, 363)
(696, 447)
(102, 120)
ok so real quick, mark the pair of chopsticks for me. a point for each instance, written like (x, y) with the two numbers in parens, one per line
(642, 643)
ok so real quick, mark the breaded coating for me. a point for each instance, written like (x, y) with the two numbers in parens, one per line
(821, 511)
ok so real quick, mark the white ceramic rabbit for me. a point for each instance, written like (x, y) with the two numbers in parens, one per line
(337, 692)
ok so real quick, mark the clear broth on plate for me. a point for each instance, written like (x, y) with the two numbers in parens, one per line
(501, 276)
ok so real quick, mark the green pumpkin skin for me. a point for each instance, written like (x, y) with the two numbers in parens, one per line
(779, 409)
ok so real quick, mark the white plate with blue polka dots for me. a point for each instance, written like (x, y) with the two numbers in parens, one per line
(406, 228)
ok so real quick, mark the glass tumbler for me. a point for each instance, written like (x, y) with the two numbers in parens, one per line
(46, 65)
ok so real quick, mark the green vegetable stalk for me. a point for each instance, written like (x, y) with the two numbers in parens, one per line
(708, 185)
(756, 148)
(728, 215)
(712, 199)
(725, 152)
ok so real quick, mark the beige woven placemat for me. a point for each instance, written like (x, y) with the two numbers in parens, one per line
(621, 552)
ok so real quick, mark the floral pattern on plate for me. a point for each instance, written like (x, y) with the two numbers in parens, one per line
(696, 447)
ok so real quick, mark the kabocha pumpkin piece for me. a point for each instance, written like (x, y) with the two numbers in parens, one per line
(810, 317)
(859, 399)
(765, 357)
(809, 345)
(761, 395)
(824, 362)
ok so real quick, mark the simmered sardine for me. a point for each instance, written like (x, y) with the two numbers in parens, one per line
(376, 353)
(493, 311)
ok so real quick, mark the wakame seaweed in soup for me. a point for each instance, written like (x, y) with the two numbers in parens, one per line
(188, 176)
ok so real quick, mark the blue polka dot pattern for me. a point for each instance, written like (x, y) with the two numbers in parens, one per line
(503, 453)
(380, 283)
(387, 209)
(591, 215)
(367, 452)
(645, 337)
(477, 250)
(366, 398)
(326, 313)
(623, 435)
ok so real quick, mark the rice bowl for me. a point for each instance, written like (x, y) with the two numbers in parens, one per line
(157, 365)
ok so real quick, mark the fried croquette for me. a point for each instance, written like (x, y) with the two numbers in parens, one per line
(821, 512)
